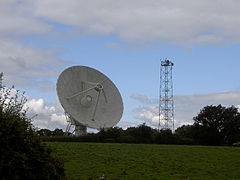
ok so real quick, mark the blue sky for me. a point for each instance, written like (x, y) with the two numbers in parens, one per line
(124, 40)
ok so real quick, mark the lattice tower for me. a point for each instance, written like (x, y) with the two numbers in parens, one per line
(166, 103)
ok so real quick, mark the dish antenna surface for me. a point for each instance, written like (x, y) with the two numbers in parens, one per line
(89, 98)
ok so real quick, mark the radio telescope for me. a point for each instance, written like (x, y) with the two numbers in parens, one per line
(89, 98)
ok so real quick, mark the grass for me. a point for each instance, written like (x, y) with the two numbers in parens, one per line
(147, 161)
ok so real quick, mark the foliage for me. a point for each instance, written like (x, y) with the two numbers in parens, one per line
(185, 134)
(141, 134)
(47, 132)
(165, 136)
(110, 135)
(217, 125)
(22, 154)
(148, 161)
(236, 144)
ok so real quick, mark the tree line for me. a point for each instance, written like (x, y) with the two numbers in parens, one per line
(214, 125)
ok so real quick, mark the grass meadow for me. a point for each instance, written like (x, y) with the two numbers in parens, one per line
(85, 161)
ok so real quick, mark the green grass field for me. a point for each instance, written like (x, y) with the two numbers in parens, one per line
(147, 161)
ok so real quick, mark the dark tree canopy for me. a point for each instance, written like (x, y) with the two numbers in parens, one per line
(165, 136)
(142, 133)
(216, 125)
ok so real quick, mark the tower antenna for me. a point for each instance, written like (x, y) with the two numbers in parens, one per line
(166, 103)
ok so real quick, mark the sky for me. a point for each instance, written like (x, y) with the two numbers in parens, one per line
(126, 41)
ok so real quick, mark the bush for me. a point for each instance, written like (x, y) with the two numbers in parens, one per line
(141, 134)
(164, 136)
(22, 154)
(236, 144)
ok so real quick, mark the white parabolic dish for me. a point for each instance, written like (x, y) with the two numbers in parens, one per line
(89, 97)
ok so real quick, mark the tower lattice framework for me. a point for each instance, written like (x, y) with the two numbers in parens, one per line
(166, 103)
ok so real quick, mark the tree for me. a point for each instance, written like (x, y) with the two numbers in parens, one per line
(112, 134)
(216, 125)
(185, 131)
(47, 132)
(141, 134)
(185, 134)
(58, 132)
(164, 136)
(22, 154)
(44, 132)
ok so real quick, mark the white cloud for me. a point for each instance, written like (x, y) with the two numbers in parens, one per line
(50, 117)
(38, 106)
(187, 106)
(61, 119)
(227, 98)
(126, 124)
(22, 64)
(180, 22)
(43, 116)
(28, 67)
(238, 106)
(143, 99)
(16, 18)
(149, 114)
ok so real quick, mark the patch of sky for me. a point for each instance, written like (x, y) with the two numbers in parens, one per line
(207, 69)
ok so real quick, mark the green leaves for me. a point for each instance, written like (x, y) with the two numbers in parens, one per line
(217, 125)
(22, 154)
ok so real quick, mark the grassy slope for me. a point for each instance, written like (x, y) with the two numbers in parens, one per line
(139, 161)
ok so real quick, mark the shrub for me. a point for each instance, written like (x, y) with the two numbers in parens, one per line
(23, 156)
(236, 144)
